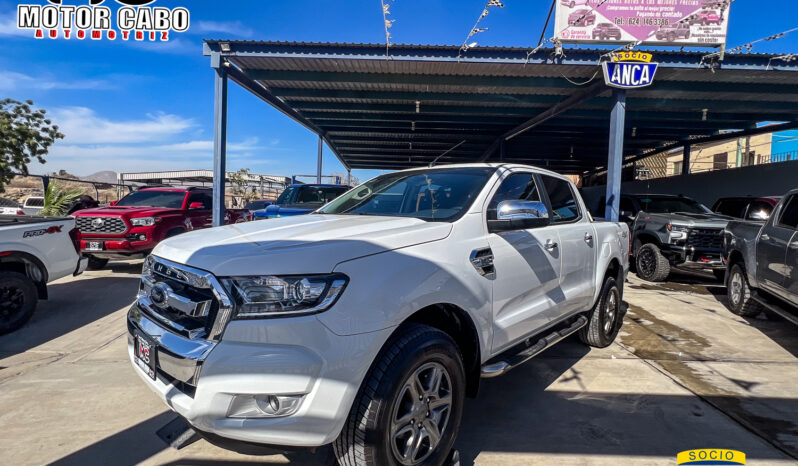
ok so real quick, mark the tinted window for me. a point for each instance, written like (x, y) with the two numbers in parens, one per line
(563, 203)
(204, 198)
(255, 205)
(626, 205)
(34, 202)
(286, 196)
(789, 216)
(168, 199)
(732, 207)
(318, 194)
(759, 210)
(518, 186)
(668, 205)
(435, 195)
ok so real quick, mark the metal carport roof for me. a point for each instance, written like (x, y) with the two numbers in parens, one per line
(421, 102)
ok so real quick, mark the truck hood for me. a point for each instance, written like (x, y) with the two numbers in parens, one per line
(304, 244)
(694, 220)
(118, 211)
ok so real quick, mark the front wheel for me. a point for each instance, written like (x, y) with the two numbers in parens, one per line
(18, 298)
(605, 319)
(650, 264)
(739, 293)
(409, 406)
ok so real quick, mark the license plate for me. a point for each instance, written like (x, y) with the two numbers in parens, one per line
(94, 245)
(145, 353)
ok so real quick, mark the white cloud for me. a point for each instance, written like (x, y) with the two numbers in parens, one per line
(233, 28)
(82, 125)
(12, 81)
(8, 26)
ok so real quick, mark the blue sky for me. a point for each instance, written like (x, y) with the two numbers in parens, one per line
(129, 106)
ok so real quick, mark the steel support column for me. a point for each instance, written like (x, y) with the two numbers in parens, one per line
(219, 139)
(686, 160)
(318, 161)
(615, 156)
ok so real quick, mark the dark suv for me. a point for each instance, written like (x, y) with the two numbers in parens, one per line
(604, 31)
(669, 231)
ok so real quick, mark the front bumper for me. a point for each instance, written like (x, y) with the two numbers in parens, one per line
(198, 379)
(696, 258)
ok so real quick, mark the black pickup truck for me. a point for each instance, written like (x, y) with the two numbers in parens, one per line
(762, 263)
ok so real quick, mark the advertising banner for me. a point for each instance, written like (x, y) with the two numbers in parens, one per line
(654, 22)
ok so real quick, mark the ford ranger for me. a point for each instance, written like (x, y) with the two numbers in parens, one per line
(33, 252)
(132, 226)
(762, 261)
(366, 323)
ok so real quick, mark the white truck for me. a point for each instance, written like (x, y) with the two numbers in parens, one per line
(33, 252)
(366, 323)
(33, 205)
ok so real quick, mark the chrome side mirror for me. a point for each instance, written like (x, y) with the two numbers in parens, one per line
(759, 215)
(519, 215)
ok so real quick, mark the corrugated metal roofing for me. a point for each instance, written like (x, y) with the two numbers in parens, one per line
(365, 104)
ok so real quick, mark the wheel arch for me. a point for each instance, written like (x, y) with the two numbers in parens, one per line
(29, 265)
(458, 324)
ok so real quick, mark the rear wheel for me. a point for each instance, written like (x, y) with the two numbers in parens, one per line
(605, 318)
(409, 406)
(739, 293)
(650, 264)
(18, 299)
(96, 263)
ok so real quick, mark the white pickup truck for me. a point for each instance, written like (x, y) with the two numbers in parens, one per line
(33, 252)
(366, 323)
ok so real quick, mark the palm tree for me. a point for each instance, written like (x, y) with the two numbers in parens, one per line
(58, 199)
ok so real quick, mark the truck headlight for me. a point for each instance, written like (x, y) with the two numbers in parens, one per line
(677, 233)
(272, 296)
(144, 221)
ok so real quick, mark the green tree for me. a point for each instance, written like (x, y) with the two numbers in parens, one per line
(25, 134)
(58, 199)
(239, 186)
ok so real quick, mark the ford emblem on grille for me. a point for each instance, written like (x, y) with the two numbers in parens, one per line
(159, 294)
(97, 223)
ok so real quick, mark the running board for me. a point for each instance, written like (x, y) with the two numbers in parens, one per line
(774, 307)
(504, 362)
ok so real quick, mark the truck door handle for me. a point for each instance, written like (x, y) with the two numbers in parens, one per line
(588, 237)
(764, 236)
(550, 245)
(482, 260)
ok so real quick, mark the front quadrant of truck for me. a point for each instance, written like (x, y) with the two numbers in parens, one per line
(366, 323)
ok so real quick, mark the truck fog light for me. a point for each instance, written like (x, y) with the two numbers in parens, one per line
(142, 237)
(249, 406)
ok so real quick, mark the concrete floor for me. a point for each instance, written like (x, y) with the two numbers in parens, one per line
(685, 373)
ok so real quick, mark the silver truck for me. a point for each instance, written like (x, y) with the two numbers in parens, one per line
(762, 263)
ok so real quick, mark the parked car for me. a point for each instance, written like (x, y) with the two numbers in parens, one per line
(604, 31)
(762, 263)
(747, 207)
(672, 231)
(582, 18)
(257, 204)
(573, 3)
(9, 207)
(33, 252)
(671, 32)
(706, 17)
(33, 205)
(131, 227)
(301, 199)
(366, 324)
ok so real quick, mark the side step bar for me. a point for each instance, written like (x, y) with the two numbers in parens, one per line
(504, 362)
(774, 307)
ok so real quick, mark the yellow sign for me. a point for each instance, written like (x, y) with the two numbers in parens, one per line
(632, 56)
(712, 456)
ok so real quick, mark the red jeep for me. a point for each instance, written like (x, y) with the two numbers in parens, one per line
(131, 227)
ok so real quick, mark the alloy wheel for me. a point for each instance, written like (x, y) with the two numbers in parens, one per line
(611, 307)
(421, 414)
(11, 302)
(736, 288)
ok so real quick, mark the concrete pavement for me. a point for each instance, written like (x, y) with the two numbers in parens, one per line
(685, 373)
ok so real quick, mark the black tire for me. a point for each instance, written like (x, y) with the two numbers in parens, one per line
(606, 317)
(365, 438)
(720, 275)
(96, 263)
(18, 297)
(738, 293)
(650, 264)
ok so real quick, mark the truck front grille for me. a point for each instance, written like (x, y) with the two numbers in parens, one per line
(705, 238)
(110, 225)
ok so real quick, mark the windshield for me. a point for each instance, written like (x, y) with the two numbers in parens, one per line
(167, 199)
(255, 205)
(434, 195)
(667, 205)
(310, 195)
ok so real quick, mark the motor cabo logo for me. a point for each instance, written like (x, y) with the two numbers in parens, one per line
(132, 20)
(713, 456)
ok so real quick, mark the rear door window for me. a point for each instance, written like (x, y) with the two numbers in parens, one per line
(563, 201)
(732, 207)
(789, 215)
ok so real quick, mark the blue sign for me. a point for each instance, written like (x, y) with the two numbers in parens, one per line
(628, 75)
